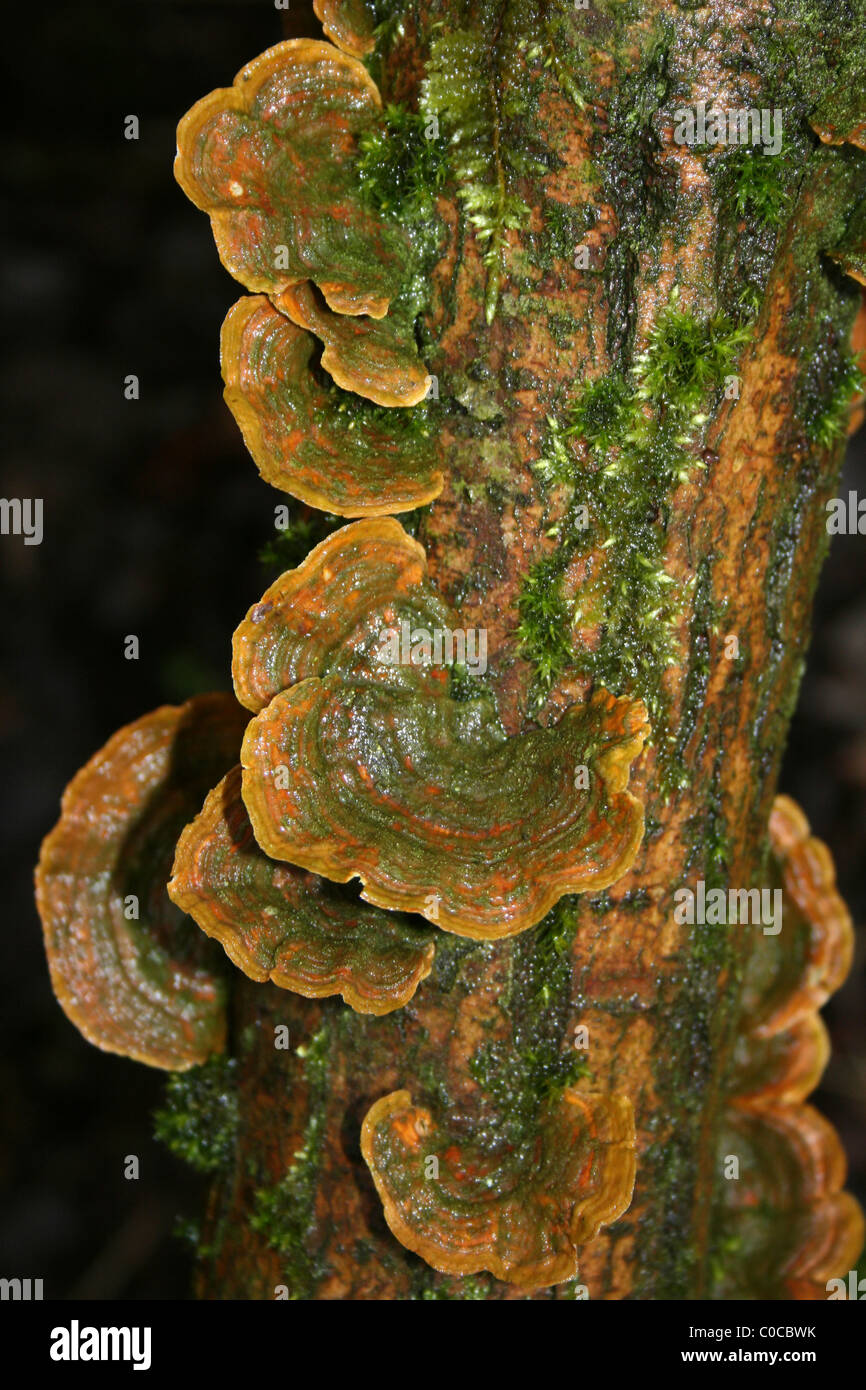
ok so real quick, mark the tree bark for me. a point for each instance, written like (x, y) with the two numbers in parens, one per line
(742, 538)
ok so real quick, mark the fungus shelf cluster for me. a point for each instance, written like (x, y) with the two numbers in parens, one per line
(272, 161)
(298, 441)
(126, 966)
(351, 766)
(250, 822)
(794, 1225)
(481, 1214)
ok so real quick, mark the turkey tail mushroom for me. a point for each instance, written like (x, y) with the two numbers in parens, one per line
(464, 1209)
(131, 972)
(790, 1225)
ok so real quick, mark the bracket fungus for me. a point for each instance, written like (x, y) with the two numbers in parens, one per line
(520, 1220)
(363, 765)
(132, 974)
(374, 357)
(794, 1226)
(278, 923)
(368, 745)
(783, 1066)
(350, 24)
(329, 614)
(429, 803)
(270, 160)
(794, 973)
(299, 441)
(850, 253)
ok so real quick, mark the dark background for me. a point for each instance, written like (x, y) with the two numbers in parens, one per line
(154, 517)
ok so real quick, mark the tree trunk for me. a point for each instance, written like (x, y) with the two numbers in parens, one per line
(737, 520)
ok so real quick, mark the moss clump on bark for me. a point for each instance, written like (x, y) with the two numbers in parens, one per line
(199, 1121)
(640, 435)
(403, 164)
(285, 1212)
(826, 402)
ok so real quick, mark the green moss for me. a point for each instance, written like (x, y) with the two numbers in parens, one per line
(355, 414)
(602, 413)
(285, 1213)
(555, 935)
(563, 229)
(826, 401)
(402, 165)
(294, 542)
(545, 625)
(537, 1064)
(542, 1001)
(470, 1288)
(463, 92)
(686, 357)
(199, 1121)
(757, 185)
(640, 435)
